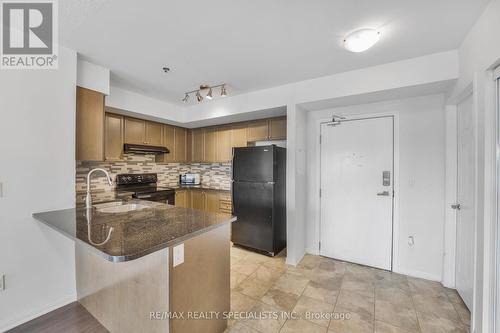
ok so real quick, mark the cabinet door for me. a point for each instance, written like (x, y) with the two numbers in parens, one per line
(135, 131)
(210, 145)
(212, 202)
(277, 128)
(198, 145)
(113, 133)
(180, 144)
(197, 199)
(89, 125)
(239, 135)
(258, 130)
(181, 198)
(169, 142)
(154, 133)
(224, 149)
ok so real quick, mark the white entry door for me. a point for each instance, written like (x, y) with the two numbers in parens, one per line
(466, 211)
(357, 191)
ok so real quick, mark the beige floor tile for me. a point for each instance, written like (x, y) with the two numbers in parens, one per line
(309, 262)
(453, 295)
(352, 301)
(364, 281)
(395, 296)
(253, 286)
(332, 266)
(431, 323)
(425, 287)
(256, 258)
(241, 302)
(269, 273)
(397, 314)
(238, 252)
(244, 267)
(326, 281)
(463, 312)
(301, 326)
(280, 299)
(391, 280)
(325, 295)
(265, 318)
(294, 284)
(381, 327)
(361, 272)
(439, 306)
(313, 310)
(353, 323)
(236, 278)
(239, 327)
(276, 262)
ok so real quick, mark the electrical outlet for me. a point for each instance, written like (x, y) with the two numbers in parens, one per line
(411, 241)
(178, 255)
(2, 282)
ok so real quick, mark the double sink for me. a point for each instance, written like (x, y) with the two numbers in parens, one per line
(119, 207)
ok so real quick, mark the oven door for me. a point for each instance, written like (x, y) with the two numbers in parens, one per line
(168, 198)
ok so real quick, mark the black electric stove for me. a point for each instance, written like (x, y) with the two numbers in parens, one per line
(144, 186)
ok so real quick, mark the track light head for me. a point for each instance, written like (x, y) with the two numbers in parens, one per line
(223, 91)
(198, 96)
(209, 94)
(186, 98)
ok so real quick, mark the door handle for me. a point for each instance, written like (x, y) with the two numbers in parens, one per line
(456, 206)
(383, 194)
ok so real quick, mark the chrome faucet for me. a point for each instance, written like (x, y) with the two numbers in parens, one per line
(88, 197)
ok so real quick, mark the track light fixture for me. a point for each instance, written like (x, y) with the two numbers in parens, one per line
(209, 95)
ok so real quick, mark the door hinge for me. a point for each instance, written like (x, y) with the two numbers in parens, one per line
(320, 193)
(319, 246)
(320, 139)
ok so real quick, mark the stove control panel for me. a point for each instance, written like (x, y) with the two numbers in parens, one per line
(132, 179)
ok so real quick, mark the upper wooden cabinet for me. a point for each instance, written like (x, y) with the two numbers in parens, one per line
(277, 128)
(89, 125)
(154, 134)
(113, 137)
(210, 145)
(198, 145)
(180, 144)
(224, 148)
(169, 142)
(258, 130)
(135, 131)
(239, 135)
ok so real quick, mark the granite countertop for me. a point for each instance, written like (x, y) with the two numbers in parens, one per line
(201, 187)
(135, 233)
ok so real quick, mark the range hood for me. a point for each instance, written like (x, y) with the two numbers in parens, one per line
(143, 149)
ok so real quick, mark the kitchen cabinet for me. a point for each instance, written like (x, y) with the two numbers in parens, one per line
(224, 148)
(181, 198)
(212, 202)
(198, 199)
(154, 134)
(135, 131)
(198, 145)
(113, 137)
(277, 128)
(89, 125)
(169, 142)
(210, 145)
(239, 135)
(180, 144)
(258, 130)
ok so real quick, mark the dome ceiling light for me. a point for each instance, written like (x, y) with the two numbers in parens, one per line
(209, 95)
(361, 40)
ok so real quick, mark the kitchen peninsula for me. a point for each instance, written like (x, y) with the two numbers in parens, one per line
(135, 259)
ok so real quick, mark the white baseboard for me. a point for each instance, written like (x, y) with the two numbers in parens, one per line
(418, 274)
(312, 250)
(30, 315)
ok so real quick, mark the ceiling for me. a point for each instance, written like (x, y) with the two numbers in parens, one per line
(251, 45)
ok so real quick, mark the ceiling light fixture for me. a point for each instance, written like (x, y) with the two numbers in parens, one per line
(361, 40)
(209, 95)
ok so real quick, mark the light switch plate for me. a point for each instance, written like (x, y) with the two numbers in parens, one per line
(178, 255)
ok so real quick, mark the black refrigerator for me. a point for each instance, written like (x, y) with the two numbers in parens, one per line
(259, 198)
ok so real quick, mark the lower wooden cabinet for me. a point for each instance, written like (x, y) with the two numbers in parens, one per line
(207, 200)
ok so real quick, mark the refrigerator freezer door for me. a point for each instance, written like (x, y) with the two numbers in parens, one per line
(253, 164)
(253, 205)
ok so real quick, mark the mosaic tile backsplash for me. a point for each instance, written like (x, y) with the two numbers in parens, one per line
(214, 175)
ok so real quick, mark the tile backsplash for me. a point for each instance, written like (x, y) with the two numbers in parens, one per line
(216, 175)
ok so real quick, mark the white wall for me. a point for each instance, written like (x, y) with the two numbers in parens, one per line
(421, 180)
(478, 54)
(92, 76)
(37, 169)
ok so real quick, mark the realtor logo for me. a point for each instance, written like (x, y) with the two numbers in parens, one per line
(29, 34)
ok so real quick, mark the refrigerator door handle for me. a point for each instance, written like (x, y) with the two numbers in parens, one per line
(270, 183)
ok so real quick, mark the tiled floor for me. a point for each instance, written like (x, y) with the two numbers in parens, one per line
(322, 293)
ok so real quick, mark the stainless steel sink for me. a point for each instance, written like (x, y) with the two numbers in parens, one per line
(119, 207)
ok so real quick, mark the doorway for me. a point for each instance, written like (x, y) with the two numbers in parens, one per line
(357, 190)
(466, 206)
